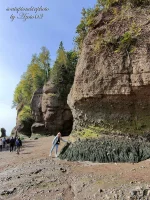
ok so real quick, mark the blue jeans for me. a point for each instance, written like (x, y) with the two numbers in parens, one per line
(54, 145)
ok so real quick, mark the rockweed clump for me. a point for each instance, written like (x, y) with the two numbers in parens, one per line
(107, 149)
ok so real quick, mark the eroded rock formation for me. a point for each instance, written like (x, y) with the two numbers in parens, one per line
(51, 114)
(112, 85)
(22, 127)
(2, 132)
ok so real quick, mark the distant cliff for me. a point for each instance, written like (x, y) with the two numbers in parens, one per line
(112, 80)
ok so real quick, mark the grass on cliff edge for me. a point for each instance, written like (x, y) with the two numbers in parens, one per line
(107, 149)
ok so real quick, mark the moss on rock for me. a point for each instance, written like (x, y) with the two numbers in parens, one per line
(89, 132)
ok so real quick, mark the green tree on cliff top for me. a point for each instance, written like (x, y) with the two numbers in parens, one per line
(36, 75)
(63, 71)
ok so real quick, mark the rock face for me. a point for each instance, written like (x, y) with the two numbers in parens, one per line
(51, 114)
(36, 105)
(113, 88)
(22, 127)
(2, 132)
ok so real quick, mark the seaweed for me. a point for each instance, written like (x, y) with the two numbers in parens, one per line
(107, 149)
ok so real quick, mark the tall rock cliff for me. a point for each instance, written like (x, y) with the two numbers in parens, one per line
(51, 114)
(112, 80)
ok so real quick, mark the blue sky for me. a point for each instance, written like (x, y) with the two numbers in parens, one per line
(19, 40)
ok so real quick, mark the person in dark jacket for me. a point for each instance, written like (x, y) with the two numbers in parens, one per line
(7, 143)
(17, 145)
(20, 141)
(1, 144)
(12, 143)
(4, 142)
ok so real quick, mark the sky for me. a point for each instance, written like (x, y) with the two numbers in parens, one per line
(20, 39)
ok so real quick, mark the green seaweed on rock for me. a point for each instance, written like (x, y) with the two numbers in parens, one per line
(107, 149)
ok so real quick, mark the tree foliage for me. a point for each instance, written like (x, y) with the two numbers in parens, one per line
(88, 16)
(36, 75)
(87, 21)
(62, 74)
(108, 3)
(25, 113)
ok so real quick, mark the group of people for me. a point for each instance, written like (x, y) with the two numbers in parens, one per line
(12, 144)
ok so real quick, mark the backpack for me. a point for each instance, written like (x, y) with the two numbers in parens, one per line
(17, 143)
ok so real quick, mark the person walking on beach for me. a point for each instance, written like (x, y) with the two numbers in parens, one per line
(1, 145)
(7, 143)
(18, 145)
(12, 144)
(20, 142)
(15, 147)
(55, 143)
(4, 142)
